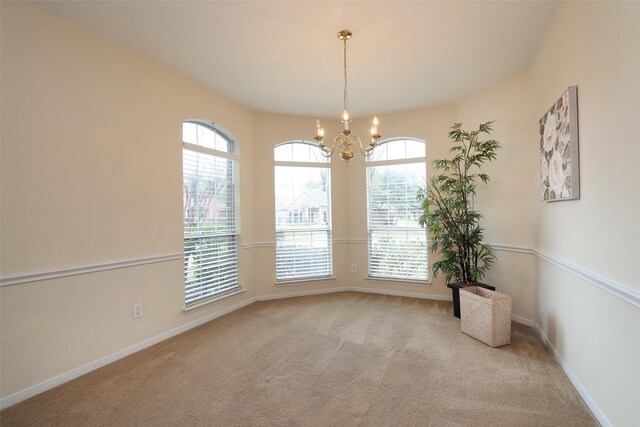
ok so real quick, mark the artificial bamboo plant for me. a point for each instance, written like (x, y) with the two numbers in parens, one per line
(448, 207)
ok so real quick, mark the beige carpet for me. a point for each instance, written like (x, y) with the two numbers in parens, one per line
(329, 360)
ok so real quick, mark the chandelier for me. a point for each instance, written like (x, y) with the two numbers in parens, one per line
(346, 141)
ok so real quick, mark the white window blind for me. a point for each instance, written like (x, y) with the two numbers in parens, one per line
(303, 212)
(210, 214)
(397, 244)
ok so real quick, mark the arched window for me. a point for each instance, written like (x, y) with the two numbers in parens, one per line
(397, 244)
(210, 211)
(303, 212)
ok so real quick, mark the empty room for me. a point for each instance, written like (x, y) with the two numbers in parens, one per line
(291, 213)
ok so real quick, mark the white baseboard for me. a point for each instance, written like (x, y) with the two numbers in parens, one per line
(85, 369)
(517, 319)
(595, 409)
(399, 293)
(301, 293)
(523, 320)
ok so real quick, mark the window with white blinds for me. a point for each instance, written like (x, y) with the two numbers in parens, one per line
(397, 243)
(303, 212)
(210, 171)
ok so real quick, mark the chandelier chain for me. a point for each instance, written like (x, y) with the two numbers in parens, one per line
(346, 94)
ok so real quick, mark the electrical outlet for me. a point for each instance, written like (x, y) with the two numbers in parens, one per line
(137, 310)
(353, 268)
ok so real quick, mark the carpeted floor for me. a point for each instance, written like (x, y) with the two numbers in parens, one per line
(327, 360)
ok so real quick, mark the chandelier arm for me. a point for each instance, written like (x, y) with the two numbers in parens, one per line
(365, 151)
(328, 152)
(369, 150)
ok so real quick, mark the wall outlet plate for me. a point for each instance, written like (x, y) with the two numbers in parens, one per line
(137, 310)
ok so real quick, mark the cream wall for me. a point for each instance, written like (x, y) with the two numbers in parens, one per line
(107, 142)
(91, 174)
(428, 124)
(271, 130)
(603, 59)
(507, 202)
(594, 45)
(348, 195)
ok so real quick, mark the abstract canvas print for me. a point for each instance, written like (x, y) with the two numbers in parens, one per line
(559, 168)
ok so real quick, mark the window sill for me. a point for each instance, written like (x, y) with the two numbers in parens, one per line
(294, 282)
(212, 300)
(409, 282)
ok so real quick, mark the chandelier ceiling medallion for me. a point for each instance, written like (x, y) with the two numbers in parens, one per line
(346, 141)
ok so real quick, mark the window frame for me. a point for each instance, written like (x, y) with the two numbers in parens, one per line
(381, 163)
(232, 174)
(326, 165)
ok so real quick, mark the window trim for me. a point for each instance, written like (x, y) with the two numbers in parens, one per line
(210, 151)
(235, 147)
(305, 164)
(407, 282)
(233, 157)
(368, 160)
(213, 300)
(293, 282)
(301, 164)
(403, 161)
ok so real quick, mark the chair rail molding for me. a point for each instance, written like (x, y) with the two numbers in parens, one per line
(624, 292)
(632, 296)
(18, 279)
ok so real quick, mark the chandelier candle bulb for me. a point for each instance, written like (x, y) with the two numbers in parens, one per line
(319, 128)
(319, 135)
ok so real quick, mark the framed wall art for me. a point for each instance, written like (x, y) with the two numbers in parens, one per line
(559, 162)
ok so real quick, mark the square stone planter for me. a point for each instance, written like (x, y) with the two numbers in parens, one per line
(486, 315)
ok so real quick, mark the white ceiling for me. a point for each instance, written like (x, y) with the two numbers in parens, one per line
(284, 56)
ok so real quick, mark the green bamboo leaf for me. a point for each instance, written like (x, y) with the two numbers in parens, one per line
(447, 205)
